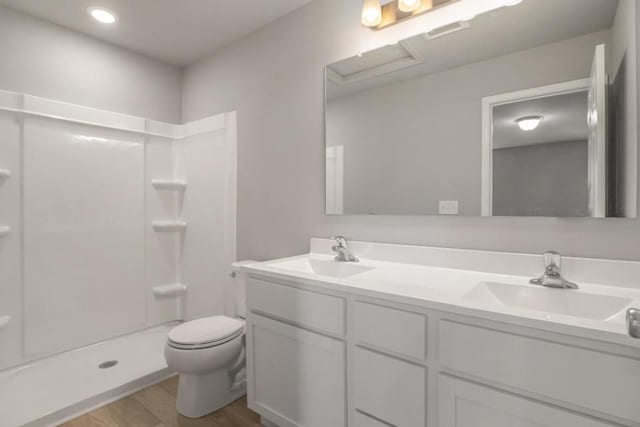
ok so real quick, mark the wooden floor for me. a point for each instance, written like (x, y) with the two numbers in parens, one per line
(156, 407)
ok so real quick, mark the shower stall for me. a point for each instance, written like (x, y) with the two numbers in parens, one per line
(111, 227)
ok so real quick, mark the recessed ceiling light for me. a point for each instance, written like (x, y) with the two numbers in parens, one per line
(529, 123)
(102, 15)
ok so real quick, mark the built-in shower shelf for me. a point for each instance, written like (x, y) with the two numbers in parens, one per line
(4, 321)
(4, 174)
(4, 230)
(169, 226)
(172, 290)
(167, 184)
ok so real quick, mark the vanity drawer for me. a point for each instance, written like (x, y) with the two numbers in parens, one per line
(390, 329)
(601, 382)
(389, 389)
(317, 311)
(465, 404)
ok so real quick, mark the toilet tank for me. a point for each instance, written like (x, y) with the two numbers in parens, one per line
(239, 288)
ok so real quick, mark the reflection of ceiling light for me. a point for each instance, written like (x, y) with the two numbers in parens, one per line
(512, 2)
(102, 15)
(529, 123)
(371, 13)
(409, 5)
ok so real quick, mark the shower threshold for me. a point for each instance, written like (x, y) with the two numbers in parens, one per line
(61, 387)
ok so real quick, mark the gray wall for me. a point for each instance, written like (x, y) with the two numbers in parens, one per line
(623, 54)
(541, 180)
(411, 144)
(46, 60)
(274, 78)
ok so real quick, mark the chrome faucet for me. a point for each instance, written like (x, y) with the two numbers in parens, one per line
(342, 249)
(552, 278)
(633, 322)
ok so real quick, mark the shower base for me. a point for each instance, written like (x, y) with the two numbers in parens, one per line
(56, 389)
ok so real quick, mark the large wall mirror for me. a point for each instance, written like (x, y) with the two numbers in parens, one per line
(528, 110)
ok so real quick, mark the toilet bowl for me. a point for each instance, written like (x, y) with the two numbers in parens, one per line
(209, 356)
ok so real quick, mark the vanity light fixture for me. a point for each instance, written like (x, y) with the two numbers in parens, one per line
(102, 15)
(377, 16)
(529, 123)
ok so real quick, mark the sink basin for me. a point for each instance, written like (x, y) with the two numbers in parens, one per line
(323, 267)
(557, 301)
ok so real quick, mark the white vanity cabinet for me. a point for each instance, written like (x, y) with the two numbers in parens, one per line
(322, 357)
(296, 355)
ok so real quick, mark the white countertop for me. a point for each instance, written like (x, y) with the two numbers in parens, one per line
(453, 290)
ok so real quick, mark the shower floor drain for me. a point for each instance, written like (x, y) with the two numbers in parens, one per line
(108, 364)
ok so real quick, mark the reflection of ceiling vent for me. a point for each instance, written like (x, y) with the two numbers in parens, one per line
(447, 29)
(374, 63)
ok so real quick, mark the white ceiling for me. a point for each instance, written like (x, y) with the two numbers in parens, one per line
(178, 32)
(565, 119)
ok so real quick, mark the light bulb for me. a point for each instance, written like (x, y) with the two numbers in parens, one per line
(409, 5)
(371, 13)
(529, 123)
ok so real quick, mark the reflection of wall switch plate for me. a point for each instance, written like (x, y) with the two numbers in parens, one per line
(448, 207)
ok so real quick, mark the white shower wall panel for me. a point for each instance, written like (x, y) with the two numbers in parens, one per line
(84, 227)
(162, 261)
(204, 160)
(82, 262)
(10, 215)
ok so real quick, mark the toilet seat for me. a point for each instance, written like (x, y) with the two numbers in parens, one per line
(205, 333)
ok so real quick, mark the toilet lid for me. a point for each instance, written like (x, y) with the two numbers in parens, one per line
(207, 330)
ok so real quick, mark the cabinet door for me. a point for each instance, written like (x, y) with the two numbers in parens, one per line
(464, 404)
(296, 377)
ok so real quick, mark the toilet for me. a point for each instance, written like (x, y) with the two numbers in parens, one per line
(209, 356)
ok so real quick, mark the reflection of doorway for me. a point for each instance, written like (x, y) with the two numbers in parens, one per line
(598, 135)
(517, 179)
(335, 180)
(546, 189)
